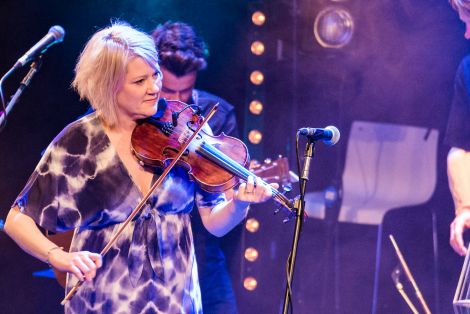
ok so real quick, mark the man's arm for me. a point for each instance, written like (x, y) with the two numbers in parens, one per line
(458, 172)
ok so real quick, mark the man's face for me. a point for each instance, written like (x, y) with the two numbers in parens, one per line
(177, 87)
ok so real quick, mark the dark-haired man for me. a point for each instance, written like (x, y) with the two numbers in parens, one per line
(182, 54)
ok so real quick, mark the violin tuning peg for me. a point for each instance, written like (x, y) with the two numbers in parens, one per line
(254, 164)
(286, 220)
(289, 217)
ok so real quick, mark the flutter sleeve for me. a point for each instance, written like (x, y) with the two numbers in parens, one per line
(206, 199)
(40, 197)
(79, 182)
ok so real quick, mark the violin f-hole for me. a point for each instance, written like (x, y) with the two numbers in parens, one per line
(170, 152)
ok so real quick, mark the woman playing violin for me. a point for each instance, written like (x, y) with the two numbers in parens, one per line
(88, 180)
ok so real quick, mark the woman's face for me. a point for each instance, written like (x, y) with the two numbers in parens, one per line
(140, 91)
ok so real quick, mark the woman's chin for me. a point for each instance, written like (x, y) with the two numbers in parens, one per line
(153, 110)
(150, 112)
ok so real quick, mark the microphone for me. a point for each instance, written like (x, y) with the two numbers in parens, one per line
(329, 135)
(55, 35)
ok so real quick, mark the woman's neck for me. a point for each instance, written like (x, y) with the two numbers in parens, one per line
(123, 126)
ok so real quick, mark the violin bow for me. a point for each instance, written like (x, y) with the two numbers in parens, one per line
(141, 204)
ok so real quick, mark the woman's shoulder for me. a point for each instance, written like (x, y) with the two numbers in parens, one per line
(81, 137)
(80, 132)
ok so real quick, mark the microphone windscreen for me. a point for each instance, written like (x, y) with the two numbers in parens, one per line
(58, 32)
(335, 135)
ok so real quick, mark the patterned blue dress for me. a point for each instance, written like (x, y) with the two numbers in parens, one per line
(81, 183)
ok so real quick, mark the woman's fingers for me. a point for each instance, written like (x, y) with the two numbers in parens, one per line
(77, 272)
(82, 264)
(88, 260)
(254, 190)
(250, 185)
(91, 265)
(80, 260)
(97, 259)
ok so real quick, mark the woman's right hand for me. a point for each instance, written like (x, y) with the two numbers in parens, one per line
(82, 264)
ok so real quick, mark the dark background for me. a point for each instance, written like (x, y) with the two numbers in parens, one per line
(398, 68)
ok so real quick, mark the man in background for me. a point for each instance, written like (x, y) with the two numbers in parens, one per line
(182, 54)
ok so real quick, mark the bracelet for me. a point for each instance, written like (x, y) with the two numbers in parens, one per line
(49, 252)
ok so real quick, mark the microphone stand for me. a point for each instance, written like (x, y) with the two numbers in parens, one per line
(299, 207)
(35, 66)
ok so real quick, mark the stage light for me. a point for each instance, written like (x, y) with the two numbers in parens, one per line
(255, 136)
(257, 77)
(252, 225)
(250, 283)
(256, 107)
(257, 47)
(258, 18)
(251, 254)
(333, 27)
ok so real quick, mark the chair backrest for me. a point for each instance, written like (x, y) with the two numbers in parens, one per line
(387, 166)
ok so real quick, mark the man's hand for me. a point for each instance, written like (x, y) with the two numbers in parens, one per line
(457, 228)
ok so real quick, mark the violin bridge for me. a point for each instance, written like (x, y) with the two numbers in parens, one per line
(184, 136)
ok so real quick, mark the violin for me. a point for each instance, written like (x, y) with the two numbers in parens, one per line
(215, 163)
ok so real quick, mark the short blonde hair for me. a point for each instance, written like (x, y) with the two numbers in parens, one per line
(461, 5)
(101, 67)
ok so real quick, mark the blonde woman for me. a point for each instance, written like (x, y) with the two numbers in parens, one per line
(88, 180)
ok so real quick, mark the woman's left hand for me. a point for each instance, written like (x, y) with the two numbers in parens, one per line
(254, 191)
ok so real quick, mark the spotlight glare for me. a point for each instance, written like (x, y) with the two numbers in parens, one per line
(258, 18)
(257, 77)
(251, 254)
(250, 283)
(257, 48)
(256, 107)
(255, 136)
(333, 27)
(252, 225)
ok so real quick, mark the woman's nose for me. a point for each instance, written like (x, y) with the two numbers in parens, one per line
(155, 86)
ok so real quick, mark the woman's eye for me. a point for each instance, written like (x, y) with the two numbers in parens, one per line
(139, 81)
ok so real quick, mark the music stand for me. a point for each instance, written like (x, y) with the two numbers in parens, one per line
(399, 286)
(461, 302)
